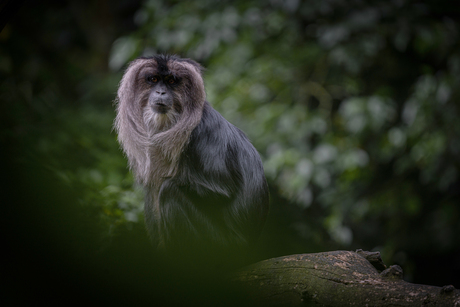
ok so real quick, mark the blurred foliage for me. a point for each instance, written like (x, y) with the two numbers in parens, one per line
(352, 105)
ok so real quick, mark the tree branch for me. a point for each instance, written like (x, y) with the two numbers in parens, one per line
(338, 278)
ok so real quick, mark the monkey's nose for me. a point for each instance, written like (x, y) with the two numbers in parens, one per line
(160, 92)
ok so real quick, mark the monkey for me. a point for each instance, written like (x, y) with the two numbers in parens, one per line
(204, 183)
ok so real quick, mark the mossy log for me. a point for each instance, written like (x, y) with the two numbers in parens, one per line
(338, 278)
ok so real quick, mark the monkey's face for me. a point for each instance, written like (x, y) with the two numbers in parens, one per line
(160, 96)
(154, 95)
(161, 93)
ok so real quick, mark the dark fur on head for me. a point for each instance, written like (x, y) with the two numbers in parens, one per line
(204, 181)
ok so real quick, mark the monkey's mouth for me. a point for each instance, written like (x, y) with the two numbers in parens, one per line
(160, 108)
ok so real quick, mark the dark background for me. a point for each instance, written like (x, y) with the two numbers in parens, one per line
(352, 105)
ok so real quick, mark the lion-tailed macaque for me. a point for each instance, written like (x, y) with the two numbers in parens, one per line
(205, 189)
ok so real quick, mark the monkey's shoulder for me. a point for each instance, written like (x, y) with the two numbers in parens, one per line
(215, 136)
(219, 153)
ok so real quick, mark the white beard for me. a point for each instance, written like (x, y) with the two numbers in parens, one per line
(157, 122)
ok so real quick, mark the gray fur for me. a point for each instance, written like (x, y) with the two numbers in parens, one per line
(154, 142)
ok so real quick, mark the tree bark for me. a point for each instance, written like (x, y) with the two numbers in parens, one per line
(338, 278)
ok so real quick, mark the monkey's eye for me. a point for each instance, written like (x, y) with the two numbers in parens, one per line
(152, 79)
(171, 81)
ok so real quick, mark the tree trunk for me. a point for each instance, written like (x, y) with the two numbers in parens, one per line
(338, 278)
